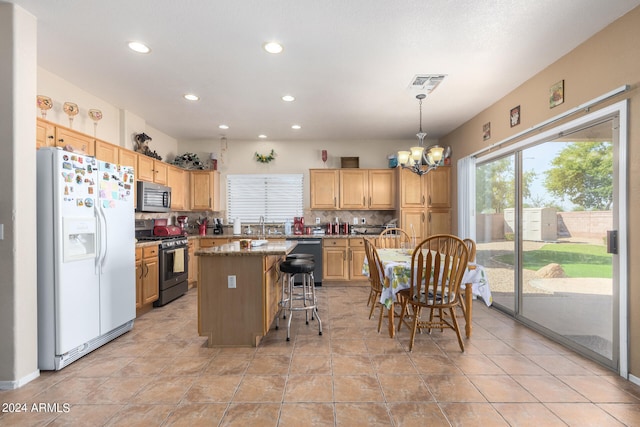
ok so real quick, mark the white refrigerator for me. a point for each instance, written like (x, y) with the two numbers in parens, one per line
(86, 255)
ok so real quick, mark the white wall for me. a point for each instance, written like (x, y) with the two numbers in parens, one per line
(18, 282)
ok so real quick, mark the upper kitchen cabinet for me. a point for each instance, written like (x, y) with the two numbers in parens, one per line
(205, 194)
(439, 188)
(78, 141)
(177, 180)
(152, 170)
(324, 188)
(106, 152)
(45, 133)
(353, 189)
(128, 158)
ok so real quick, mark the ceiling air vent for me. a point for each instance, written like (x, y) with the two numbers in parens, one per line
(426, 83)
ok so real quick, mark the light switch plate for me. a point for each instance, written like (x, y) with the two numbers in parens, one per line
(231, 282)
(317, 220)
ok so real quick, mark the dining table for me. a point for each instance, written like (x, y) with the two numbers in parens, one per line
(396, 264)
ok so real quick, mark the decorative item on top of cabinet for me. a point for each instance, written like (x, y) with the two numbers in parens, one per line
(96, 116)
(44, 104)
(72, 110)
(205, 194)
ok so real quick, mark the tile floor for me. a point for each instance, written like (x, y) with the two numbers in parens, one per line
(162, 373)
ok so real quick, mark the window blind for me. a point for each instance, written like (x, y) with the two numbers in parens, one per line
(277, 197)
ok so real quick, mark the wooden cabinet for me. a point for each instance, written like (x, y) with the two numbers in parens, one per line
(128, 158)
(356, 259)
(152, 170)
(45, 133)
(79, 141)
(176, 179)
(342, 259)
(193, 245)
(425, 202)
(209, 242)
(334, 259)
(147, 275)
(324, 188)
(272, 292)
(205, 194)
(353, 189)
(106, 152)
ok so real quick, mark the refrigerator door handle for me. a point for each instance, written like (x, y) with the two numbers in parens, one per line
(102, 220)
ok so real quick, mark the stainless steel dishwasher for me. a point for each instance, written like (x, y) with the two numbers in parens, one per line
(313, 246)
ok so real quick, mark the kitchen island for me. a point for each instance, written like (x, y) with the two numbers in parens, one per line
(238, 292)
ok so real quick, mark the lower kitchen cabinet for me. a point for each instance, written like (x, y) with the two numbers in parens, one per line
(209, 242)
(194, 265)
(147, 275)
(342, 259)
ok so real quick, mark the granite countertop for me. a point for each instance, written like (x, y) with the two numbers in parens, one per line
(233, 249)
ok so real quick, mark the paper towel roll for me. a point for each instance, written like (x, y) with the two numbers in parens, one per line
(237, 226)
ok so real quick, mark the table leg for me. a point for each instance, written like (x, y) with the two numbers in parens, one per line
(468, 296)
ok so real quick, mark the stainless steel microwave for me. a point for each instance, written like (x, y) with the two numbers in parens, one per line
(153, 197)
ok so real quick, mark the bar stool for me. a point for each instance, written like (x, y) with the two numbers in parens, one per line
(305, 298)
(285, 286)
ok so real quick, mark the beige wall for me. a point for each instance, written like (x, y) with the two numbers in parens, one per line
(608, 60)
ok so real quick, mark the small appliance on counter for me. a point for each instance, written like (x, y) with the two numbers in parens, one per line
(182, 223)
(202, 227)
(161, 228)
(217, 229)
(298, 225)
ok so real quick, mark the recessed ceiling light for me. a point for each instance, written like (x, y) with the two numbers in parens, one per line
(296, 127)
(191, 97)
(262, 136)
(273, 47)
(288, 98)
(139, 47)
(223, 126)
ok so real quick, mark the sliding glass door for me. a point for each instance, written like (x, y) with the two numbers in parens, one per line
(545, 215)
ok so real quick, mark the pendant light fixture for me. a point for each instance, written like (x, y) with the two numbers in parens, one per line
(417, 156)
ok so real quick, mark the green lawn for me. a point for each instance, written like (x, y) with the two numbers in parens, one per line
(577, 260)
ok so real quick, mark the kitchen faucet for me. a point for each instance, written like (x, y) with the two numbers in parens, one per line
(262, 224)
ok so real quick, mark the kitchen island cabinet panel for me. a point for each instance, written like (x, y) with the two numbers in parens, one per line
(238, 292)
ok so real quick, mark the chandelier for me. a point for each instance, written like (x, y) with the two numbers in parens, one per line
(417, 156)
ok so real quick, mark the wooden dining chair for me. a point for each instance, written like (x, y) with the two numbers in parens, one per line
(376, 279)
(394, 238)
(438, 265)
(471, 247)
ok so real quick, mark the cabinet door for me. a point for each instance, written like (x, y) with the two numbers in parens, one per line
(176, 180)
(272, 292)
(354, 189)
(77, 140)
(412, 221)
(324, 188)
(139, 276)
(193, 263)
(201, 190)
(145, 171)
(45, 134)
(438, 221)
(106, 152)
(128, 158)
(160, 170)
(411, 189)
(356, 261)
(439, 188)
(335, 265)
(150, 280)
(382, 189)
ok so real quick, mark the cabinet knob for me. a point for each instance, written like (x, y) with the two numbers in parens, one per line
(50, 136)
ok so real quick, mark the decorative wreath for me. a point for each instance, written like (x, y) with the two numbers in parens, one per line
(264, 158)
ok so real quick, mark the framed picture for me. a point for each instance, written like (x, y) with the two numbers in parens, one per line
(514, 116)
(486, 131)
(556, 94)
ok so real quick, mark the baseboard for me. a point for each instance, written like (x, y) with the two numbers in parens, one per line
(634, 379)
(12, 385)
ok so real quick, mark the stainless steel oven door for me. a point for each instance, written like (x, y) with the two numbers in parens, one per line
(174, 266)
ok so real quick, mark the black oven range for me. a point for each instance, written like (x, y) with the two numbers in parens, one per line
(173, 262)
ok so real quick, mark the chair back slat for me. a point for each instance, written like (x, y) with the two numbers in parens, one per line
(394, 238)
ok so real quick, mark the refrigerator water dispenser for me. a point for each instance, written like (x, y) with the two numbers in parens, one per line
(79, 241)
